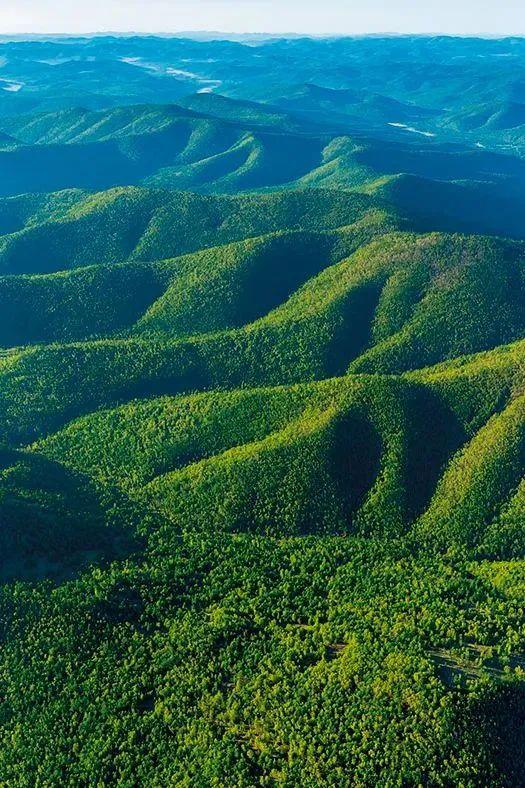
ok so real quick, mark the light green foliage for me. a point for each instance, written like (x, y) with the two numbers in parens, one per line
(262, 496)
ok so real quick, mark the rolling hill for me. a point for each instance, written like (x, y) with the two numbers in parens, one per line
(131, 145)
(218, 145)
(262, 412)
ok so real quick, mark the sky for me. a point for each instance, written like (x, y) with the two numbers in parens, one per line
(496, 17)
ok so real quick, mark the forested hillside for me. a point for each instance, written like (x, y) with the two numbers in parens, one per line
(262, 413)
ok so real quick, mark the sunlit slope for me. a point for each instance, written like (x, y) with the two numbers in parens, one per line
(433, 307)
(400, 303)
(220, 145)
(262, 447)
(343, 456)
(163, 145)
(78, 125)
(217, 288)
(368, 455)
(477, 386)
(17, 213)
(407, 448)
(73, 229)
(147, 438)
(479, 499)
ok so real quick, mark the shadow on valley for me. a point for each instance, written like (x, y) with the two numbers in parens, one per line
(55, 523)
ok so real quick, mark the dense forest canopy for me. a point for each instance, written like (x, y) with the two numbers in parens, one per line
(262, 412)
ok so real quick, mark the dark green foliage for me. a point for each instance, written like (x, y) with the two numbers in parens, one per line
(400, 303)
(53, 521)
(262, 496)
(250, 661)
(78, 304)
(324, 457)
(149, 224)
(163, 146)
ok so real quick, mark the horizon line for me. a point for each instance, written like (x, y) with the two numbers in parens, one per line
(261, 33)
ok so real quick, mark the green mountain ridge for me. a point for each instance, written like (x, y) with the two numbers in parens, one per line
(385, 296)
(262, 412)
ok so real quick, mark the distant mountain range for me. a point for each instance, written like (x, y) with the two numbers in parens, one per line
(262, 412)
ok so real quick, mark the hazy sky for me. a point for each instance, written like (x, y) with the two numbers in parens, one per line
(309, 16)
